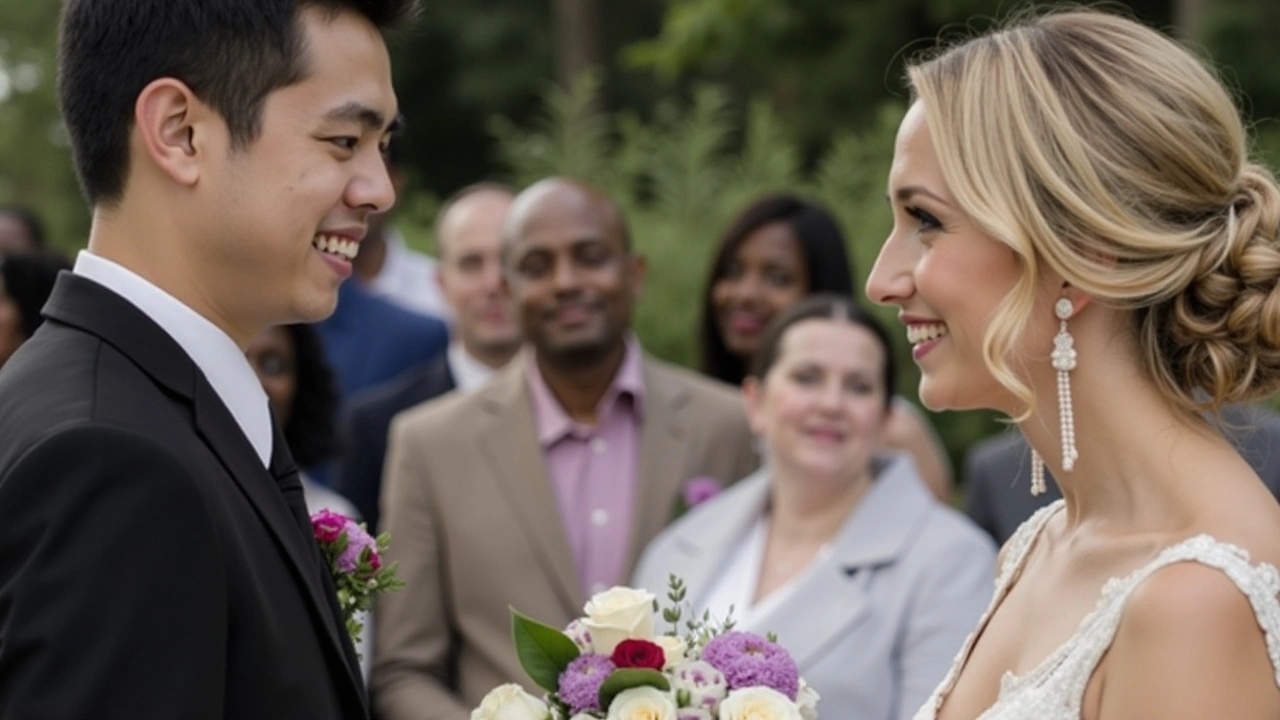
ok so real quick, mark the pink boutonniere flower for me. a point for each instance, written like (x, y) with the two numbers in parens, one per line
(355, 564)
(701, 489)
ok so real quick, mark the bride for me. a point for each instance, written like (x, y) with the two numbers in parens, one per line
(1081, 241)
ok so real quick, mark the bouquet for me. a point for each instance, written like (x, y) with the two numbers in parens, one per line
(355, 564)
(612, 665)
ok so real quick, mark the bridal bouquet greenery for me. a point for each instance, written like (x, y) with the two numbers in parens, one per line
(611, 664)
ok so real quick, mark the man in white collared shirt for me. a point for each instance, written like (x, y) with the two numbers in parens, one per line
(156, 558)
(469, 231)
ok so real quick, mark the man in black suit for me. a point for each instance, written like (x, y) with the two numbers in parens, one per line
(998, 469)
(156, 560)
(469, 240)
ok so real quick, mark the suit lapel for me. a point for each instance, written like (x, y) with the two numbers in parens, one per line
(875, 536)
(510, 447)
(83, 303)
(705, 547)
(663, 438)
(224, 437)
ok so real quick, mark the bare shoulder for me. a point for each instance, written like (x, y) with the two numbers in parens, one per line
(1190, 645)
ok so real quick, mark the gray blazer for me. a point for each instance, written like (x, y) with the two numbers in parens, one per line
(875, 627)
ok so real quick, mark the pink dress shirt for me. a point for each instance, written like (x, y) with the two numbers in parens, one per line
(593, 470)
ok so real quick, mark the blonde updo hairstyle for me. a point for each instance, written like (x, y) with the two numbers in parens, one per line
(1099, 148)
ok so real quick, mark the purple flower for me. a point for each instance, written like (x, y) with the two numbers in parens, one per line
(580, 683)
(357, 541)
(577, 632)
(698, 684)
(748, 660)
(700, 489)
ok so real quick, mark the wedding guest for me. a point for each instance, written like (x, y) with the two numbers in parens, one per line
(777, 251)
(289, 362)
(485, 338)
(156, 559)
(998, 469)
(867, 580)
(26, 279)
(20, 230)
(389, 269)
(1081, 242)
(542, 487)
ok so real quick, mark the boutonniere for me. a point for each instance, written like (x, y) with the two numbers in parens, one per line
(696, 490)
(354, 558)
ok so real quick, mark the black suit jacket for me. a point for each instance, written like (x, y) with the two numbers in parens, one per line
(998, 469)
(150, 566)
(367, 421)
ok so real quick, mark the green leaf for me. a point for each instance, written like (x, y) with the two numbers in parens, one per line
(544, 651)
(628, 678)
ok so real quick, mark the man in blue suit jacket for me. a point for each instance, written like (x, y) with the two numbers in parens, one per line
(469, 238)
(369, 340)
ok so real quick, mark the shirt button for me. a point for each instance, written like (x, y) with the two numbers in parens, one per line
(600, 517)
(598, 445)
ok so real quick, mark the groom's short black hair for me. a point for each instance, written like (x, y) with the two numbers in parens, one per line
(231, 53)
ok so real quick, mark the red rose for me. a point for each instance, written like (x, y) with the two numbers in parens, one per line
(638, 654)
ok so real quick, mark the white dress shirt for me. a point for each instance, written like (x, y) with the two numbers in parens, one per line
(408, 279)
(212, 350)
(468, 372)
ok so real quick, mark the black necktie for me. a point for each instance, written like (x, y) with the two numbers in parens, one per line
(285, 472)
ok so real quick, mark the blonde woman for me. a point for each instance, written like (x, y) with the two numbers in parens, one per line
(1081, 241)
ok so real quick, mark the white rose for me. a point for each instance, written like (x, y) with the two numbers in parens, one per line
(673, 648)
(619, 614)
(510, 702)
(758, 703)
(807, 699)
(642, 703)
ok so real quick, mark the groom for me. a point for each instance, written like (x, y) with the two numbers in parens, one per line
(156, 560)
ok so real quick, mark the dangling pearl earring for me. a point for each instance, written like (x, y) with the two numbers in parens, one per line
(1064, 361)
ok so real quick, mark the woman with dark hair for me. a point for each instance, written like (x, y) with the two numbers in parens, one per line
(779, 250)
(835, 545)
(289, 361)
(26, 279)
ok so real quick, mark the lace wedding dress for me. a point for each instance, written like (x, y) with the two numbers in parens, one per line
(1054, 690)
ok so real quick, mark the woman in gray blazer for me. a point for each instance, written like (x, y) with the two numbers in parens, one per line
(867, 580)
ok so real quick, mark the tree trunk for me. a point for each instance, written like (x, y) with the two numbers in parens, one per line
(577, 37)
(1188, 17)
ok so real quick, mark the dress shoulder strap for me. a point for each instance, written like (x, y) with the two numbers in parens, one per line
(1260, 583)
(1019, 545)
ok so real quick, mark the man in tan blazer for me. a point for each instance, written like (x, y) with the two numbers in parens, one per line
(544, 486)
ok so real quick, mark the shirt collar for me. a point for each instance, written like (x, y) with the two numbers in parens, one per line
(468, 372)
(549, 415)
(212, 350)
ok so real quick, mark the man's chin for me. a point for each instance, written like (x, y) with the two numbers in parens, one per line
(582, 354)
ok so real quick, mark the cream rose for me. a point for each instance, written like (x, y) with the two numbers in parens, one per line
(510, 702)
(643, 703)
(619, 614)
(673, 649)
(758, 703)
(807, 698)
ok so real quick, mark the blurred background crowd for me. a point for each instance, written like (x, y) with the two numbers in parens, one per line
(683, 110)
(740, 147)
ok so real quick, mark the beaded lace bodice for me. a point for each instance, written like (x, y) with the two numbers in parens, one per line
(1054, 690)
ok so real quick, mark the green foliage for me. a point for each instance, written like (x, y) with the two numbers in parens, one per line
(544, 651)
(627, 678)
